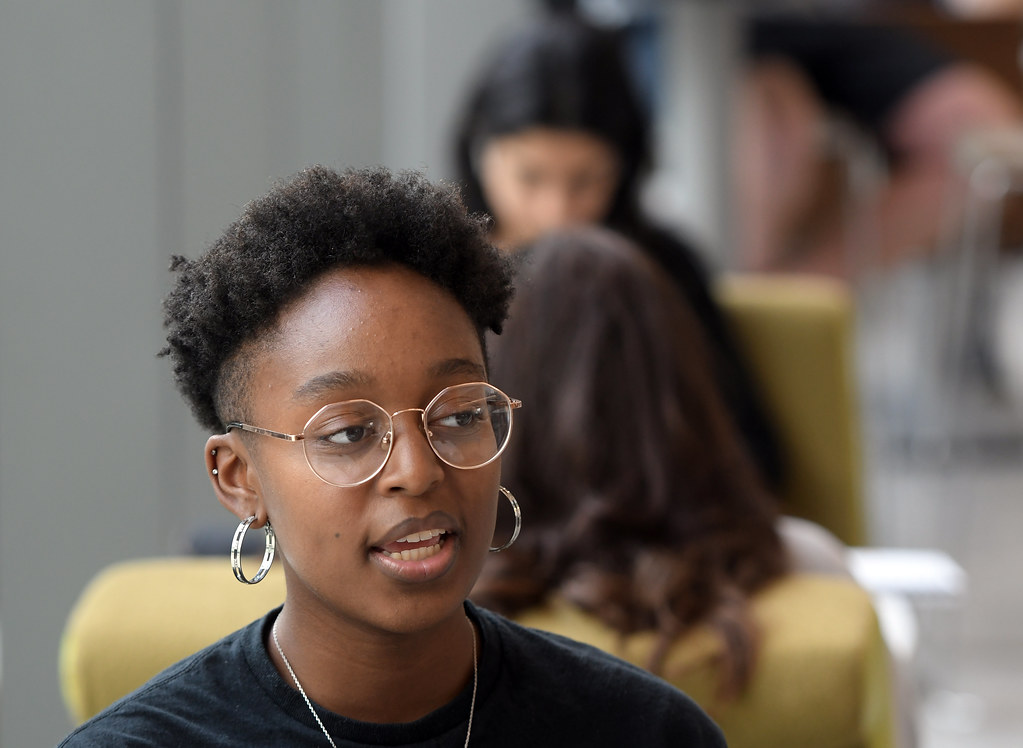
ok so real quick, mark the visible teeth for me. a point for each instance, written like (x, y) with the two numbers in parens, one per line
(416, 554)
(418, 536)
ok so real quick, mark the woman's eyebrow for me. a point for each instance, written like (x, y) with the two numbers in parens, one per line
(458, 366)
(319, 385)
(333, 381)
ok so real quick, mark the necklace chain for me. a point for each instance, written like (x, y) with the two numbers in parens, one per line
(308, 703)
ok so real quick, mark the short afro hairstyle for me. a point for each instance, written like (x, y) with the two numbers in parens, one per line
(316, 221)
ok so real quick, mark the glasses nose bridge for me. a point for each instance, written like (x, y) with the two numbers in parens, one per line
(420, 411)
(422, 423)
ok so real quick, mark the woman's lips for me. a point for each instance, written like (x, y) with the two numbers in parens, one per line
(416, 546)
(417, 557)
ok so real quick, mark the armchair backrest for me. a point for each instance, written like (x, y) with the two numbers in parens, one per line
(798, 333)
(136, 618)
(822, 676)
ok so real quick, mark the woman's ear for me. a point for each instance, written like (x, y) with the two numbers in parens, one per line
(233, 477)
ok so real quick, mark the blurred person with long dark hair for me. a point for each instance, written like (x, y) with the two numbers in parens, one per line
(554, 133)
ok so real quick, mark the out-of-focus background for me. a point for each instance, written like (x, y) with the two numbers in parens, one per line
(131, 130)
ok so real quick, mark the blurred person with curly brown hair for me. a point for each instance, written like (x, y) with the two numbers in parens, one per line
(645, 510)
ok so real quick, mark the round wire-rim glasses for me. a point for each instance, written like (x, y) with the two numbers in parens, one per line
(348, 443)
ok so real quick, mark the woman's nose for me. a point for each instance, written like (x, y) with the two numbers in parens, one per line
(556, 209)
(412, 467)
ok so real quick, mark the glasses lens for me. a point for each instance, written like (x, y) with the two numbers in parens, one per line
(469, 424)
(344, 442)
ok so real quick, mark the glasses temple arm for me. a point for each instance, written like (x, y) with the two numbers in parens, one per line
(264, 432)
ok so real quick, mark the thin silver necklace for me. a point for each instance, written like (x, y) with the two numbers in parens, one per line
(308, 703)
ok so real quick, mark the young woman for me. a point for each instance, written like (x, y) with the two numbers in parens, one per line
(332, 340)
(644, 508)
(553, 134)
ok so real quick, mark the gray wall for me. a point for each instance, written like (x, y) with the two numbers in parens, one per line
(129, 130)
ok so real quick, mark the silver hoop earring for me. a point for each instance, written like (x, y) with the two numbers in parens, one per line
(268, 554)
(518, 520)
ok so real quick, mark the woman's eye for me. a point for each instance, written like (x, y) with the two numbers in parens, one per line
(349, 435)
(461, 418)
(582, 183)
(530, 178)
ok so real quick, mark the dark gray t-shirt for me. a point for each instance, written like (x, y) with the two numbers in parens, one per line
(535, 689)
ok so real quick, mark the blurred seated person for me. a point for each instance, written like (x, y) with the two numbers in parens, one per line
(914, 100)
(644, 508)
(811, 63)
(553, 133)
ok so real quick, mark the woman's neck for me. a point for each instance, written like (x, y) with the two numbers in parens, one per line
(375, 676)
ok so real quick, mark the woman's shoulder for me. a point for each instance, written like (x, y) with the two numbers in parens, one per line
(611, 695)
(811, 548)
(677, 252)
(527, 646)
(588, 666)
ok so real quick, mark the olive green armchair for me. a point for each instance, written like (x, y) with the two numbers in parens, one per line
(798, 333)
